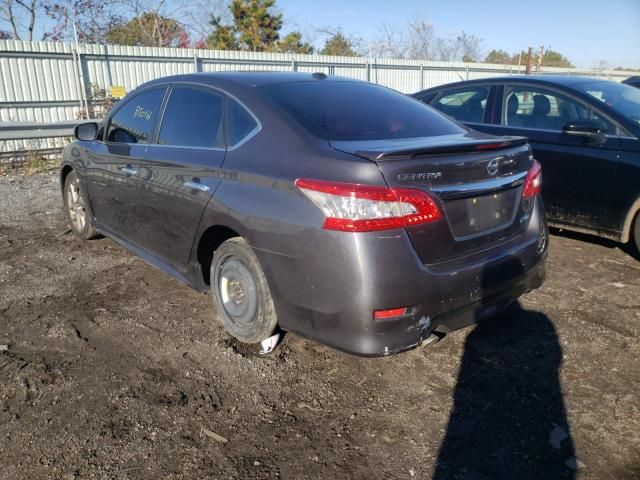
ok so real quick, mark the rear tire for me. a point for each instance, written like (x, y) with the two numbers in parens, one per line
(240, 292)
(636, 232)
(75, 208)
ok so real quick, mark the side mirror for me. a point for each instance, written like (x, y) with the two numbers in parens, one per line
(590, 130)
(86, 131)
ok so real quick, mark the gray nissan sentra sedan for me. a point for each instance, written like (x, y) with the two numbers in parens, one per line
(343, 211)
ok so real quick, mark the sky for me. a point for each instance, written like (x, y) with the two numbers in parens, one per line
(586, 31)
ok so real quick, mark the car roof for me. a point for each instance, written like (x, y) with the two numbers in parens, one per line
(563, 80)
(250, 78)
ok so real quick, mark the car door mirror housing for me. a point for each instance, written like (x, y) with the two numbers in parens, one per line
(86, 131)
(588, 129)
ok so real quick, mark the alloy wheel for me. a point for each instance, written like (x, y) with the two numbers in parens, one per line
(75, 205)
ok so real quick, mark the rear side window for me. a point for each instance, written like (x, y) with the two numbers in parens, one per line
(465, 104)
(136, 120)
(192, 118)
(358, 111)
(240, 122)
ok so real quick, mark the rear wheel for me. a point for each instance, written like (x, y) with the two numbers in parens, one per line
(75, 208)
(240, 291)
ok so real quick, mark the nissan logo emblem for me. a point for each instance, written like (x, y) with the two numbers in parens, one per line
(492, 167)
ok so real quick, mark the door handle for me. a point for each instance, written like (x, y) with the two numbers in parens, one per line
(129, 170)
(196, 186)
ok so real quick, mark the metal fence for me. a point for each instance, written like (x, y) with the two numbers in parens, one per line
(46, 83)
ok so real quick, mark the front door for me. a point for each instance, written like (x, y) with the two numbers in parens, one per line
(113, 171)
(180, 172)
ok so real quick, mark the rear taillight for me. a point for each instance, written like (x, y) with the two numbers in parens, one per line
(533, 182)
(354, 207)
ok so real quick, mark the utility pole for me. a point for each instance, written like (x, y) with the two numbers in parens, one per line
(539, 59)
(83, 89)
(529, 61)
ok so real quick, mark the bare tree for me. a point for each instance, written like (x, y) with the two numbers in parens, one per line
(469, 47)
(21, 16)
(197, 18)
(445, 49)
(413, 41)
(92, 18)
(417, 40)
(147, 22)
(389, 43)
(192, 16)
(421, 40)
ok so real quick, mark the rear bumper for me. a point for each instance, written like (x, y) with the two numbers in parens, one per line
(329, 293)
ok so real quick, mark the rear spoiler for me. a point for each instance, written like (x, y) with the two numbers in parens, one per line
(404, 153)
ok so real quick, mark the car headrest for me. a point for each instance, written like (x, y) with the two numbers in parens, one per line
(541, 105)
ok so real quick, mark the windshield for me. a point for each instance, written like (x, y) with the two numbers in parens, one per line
(623, 98)
(358, 111)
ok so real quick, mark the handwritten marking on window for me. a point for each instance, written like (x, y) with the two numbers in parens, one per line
(142, 113)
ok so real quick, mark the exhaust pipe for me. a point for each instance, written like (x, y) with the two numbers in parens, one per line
(435, 337)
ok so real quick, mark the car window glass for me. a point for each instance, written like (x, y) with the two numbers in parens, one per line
(240, 122)
(136, 120)
(465, 105)
(344, 110)
(539, 108)
(622, 98)
(192, 118)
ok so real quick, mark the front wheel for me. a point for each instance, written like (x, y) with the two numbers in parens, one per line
(240, 291)
(75, 208)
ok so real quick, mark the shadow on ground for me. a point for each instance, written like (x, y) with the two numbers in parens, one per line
(508, 419)
(627, 248)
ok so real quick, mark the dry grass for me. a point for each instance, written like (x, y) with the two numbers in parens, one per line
(29, 162)
(36, 163)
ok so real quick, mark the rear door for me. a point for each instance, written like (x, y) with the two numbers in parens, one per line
(466, 104)
(180, 171)
(578, 176)
(112, 174)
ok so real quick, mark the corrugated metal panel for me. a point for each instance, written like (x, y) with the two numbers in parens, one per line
(40, 81)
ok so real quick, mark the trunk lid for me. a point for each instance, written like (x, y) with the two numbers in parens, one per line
(476, 179)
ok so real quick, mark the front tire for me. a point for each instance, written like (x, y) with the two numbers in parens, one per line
(240, 292)
(75, 208)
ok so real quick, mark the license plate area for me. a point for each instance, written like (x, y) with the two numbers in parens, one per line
(482, 214)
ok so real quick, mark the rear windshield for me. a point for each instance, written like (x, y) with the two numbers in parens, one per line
(358, 111)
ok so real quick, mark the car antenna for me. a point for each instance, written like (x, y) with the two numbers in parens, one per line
(319, 75)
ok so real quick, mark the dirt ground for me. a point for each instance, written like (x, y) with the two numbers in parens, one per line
(111, 369)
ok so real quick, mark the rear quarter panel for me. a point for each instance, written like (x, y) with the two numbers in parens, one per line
(258, 199)
(625, 202)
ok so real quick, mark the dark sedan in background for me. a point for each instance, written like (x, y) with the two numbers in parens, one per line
(334, 208)
(584, 131)
(633, 81)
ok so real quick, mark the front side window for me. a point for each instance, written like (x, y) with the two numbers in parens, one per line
(193, 118)
(342, 110)
(623, 98)
(539, 108)
(464, 104)
(136, 120)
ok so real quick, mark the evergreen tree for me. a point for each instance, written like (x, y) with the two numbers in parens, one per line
(293, 43)
(340, 45)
